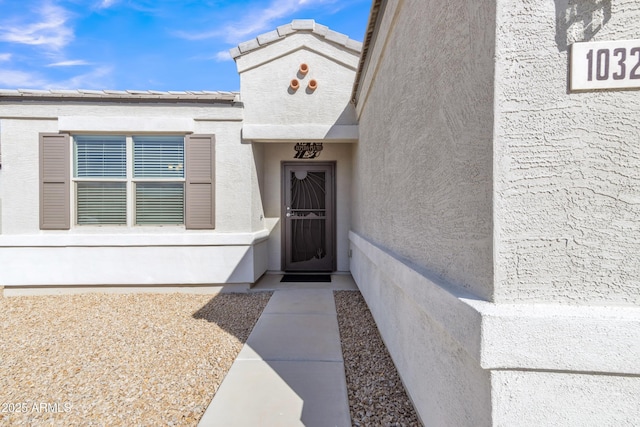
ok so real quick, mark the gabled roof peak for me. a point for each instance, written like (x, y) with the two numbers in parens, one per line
(297, 25)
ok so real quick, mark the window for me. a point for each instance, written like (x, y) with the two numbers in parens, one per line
(126, 180)
(144, 173)
(100, 173)
(158, 172)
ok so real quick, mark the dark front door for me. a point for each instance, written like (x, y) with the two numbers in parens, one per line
(308, 214)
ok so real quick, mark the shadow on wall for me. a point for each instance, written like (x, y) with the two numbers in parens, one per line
(579, 20)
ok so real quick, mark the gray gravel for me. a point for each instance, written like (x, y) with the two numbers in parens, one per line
(109, 360)
(376, 394)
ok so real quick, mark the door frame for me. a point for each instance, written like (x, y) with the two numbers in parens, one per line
(331, 224)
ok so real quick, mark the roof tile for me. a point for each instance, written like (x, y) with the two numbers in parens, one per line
(116, 92)
(119, 94)
(33, 91)
(235, 52)
(285, 30)
(269, 37)
(353, 45)
(320, 29)
(295, 26)
(248, 45)
(303, 24)
(336, 37)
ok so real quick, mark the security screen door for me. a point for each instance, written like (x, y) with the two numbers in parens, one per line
(308, 214)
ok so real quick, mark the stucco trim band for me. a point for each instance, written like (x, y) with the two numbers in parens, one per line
(178, 238)
(342, 133)
(125, 124)
(518, 336)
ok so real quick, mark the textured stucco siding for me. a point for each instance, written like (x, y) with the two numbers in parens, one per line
(265, 77)
(423, 175)
(20, 190)
(567, 165)
(564, 399)
(432, 337)
(236, 179)
(235, 252)
(422, 195)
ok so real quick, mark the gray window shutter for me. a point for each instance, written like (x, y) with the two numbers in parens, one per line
(200, 182)
(54, 182)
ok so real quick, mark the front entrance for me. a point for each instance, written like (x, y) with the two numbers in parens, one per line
(308, 212)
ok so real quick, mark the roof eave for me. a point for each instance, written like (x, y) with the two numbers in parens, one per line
(377, 10)
(119, 95)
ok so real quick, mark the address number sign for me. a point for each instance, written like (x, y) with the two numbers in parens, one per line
(605, 65)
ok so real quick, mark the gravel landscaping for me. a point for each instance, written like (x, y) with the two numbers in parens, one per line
(141, 359)
(376, 394)
(158, 359)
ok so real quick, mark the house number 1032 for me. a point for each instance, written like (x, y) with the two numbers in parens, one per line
(605, 65)
(603, 59)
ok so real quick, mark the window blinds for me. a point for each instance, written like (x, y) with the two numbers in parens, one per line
(100, 157)
(159, 203)
(158, 157)
(106, 168)
(101, 202)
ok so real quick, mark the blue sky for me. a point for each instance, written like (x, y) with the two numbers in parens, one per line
(146, 44)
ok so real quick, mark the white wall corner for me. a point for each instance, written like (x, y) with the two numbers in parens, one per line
(519, 336)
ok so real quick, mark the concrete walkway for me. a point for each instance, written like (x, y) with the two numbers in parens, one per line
(290, 371)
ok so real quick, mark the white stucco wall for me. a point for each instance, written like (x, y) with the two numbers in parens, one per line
(566, 399)
(422, 195)
(422, 168)
(567, 181)
(433, 338)
(129, 260)
(236, 181)
(272, 111)
(129, 255)
(468, 362)
(495, 234)
(275, 117)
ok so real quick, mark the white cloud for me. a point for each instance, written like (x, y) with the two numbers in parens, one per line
(95, 79)
(21, 79)
(71, 63)
(107, 3)
(223, 56)
(5, 56)
(261, 20)
(256, 20)
(50, 30)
